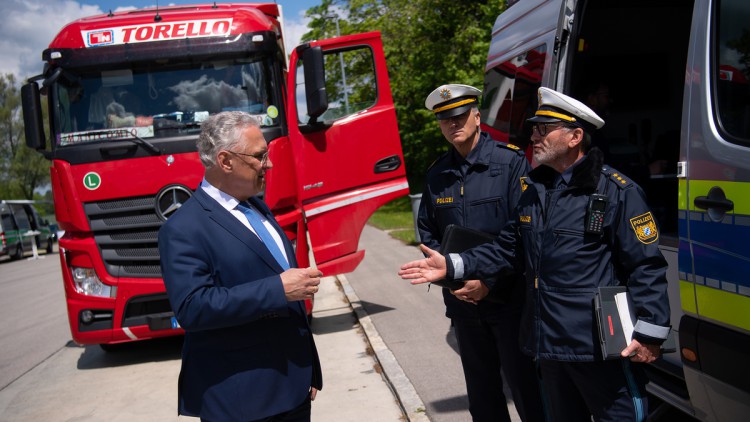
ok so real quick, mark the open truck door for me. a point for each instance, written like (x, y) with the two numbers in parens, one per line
(345, 142)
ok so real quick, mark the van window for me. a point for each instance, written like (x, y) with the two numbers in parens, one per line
(510, 96)
(732, 69)
(21, 218)
(7, 222)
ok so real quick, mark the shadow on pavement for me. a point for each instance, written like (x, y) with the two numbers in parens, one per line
(155, 350)
(374, 308)
(451, 404)
(332, 323)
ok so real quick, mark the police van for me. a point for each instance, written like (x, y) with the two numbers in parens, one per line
(22, 229)
(671, 80)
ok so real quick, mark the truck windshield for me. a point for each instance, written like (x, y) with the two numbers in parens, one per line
(160, 101)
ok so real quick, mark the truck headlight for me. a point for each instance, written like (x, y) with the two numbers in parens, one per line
(87, 283)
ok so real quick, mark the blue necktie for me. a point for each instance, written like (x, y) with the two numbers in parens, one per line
(264, 235)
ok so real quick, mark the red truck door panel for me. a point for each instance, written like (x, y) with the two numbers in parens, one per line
(351, 162)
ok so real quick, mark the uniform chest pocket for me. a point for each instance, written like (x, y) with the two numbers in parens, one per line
(575, 245)
(447, 213)
(488, 208)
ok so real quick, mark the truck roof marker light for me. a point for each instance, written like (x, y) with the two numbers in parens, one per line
(689, 355)
(257, 38)
(55, 55)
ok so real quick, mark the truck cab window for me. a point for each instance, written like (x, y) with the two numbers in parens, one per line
(162, 100)
(351, 84)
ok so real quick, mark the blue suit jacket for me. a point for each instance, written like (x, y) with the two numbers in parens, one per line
(248, 353)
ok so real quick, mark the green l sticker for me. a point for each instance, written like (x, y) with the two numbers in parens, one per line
(92, 180)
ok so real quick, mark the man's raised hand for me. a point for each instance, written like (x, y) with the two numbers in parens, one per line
(425, 270)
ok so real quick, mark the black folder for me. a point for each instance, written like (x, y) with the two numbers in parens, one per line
(611, 336)
(608, 320)
(457, 239)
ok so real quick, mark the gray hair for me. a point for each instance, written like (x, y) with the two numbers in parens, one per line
(222, 131)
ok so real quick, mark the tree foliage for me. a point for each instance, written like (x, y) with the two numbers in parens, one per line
(22, 170)
(427, 43)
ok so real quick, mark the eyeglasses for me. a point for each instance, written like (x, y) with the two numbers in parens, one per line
(263, 158)
(542, 128)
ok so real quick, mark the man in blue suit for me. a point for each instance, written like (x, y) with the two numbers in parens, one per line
(231, 279)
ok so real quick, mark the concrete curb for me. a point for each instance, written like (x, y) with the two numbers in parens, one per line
(393, 374)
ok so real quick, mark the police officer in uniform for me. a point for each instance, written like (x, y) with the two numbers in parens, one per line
(476, 184)
(566, 252)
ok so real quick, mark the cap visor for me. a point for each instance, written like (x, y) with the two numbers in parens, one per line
(454, 111)
(542, 119)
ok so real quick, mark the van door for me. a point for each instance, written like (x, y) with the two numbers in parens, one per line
(349, 161)
(715, 259)
(24, 226)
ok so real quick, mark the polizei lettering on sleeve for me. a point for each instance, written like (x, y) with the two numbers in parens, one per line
(157, 32)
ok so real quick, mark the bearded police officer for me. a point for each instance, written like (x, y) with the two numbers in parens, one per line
(565, 258)
(476, 184)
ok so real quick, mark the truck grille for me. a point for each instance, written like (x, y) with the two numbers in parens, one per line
(125, 230)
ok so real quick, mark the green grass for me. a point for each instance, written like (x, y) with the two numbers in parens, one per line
(396, 218)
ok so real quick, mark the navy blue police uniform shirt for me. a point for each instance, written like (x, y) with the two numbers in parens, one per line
(478, 192)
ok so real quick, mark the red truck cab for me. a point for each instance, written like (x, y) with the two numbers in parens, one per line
(127, 93)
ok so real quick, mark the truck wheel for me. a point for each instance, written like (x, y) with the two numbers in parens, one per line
(19, 253)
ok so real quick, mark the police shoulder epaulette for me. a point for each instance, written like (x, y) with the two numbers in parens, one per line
(512, 147)
(617, 178)
(440, 158)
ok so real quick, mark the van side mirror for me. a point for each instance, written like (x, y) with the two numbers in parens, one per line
(32, 117)
(315, 84)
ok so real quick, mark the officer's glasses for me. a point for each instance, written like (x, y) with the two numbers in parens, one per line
(543, 128)
(263, 158)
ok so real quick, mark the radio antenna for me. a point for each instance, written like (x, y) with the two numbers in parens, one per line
(157, 18)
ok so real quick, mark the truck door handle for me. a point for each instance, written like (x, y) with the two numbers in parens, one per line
(716, 203)
(387, 164)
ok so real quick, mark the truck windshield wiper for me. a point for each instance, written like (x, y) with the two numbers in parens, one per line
(144, 143)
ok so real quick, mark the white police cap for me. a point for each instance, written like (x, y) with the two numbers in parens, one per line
(556, 107)
(452, 100)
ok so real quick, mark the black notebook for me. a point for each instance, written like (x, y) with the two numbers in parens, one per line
(613, 330)
(457, 239)
(615, 316)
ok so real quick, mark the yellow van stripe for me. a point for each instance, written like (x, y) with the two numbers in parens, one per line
(687, 297)
(719, 305)
(735, 191)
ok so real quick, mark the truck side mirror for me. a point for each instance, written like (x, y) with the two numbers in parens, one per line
(315, 84)
(32, 117)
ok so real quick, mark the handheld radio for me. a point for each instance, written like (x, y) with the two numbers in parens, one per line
(595, 211)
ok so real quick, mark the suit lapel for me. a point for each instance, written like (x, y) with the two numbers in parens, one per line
(228, 222)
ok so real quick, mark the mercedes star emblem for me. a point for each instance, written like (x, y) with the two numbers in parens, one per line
(170, 199)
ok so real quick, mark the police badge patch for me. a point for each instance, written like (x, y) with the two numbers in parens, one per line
(524, 185)
(644, 227)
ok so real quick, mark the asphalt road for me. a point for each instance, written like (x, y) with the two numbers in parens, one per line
(32, 305)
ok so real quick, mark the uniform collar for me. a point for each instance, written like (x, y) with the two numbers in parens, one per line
(480, 154)
(583, 174)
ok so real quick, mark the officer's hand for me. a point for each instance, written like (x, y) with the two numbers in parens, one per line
(300, 283)
(426, 270)
(638, 352)
(472, 292)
